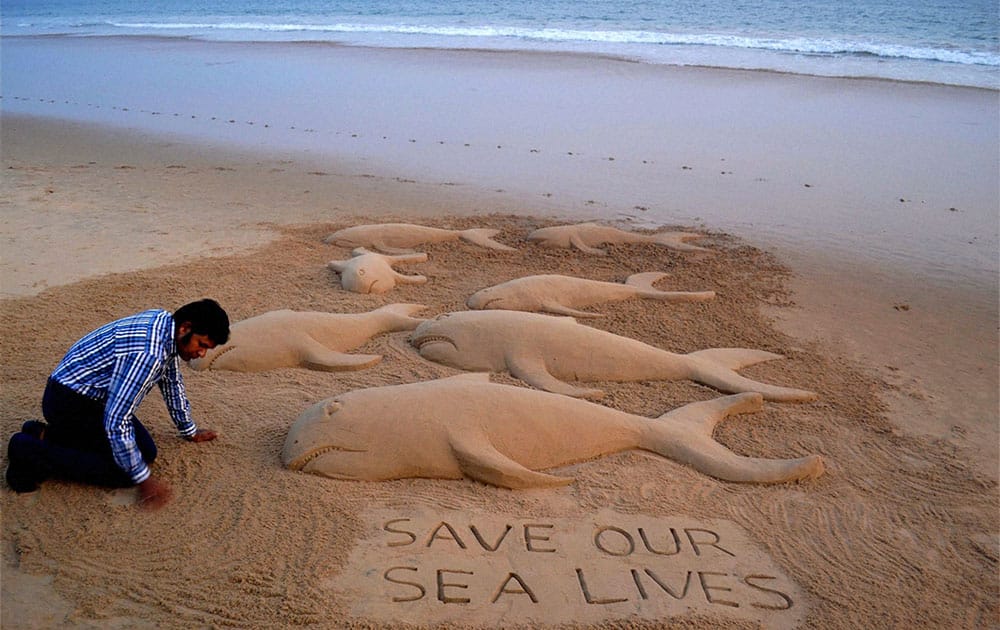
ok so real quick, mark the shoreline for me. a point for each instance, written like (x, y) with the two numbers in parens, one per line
(527, 51)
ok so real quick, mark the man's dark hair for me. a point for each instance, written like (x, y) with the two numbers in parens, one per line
(206, 318)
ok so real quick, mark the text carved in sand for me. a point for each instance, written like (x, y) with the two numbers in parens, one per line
(477, 568)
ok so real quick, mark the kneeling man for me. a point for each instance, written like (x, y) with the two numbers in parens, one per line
(92, 434)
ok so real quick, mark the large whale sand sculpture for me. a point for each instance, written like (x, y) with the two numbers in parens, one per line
(545, 351)
(564, 295)
(587, 237)
(370, 272)
(396, 238)
(309, 339)
(503, 435)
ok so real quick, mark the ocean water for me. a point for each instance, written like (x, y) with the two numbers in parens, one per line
(953, 42)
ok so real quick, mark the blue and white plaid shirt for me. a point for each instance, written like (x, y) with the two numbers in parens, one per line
(118, 364)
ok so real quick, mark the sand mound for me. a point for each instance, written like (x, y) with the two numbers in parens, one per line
(898, 529)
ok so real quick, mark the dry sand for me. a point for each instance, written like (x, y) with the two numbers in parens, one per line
(901, 531)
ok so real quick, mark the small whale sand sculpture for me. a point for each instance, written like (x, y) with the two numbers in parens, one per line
(545, 351)
(396, 238)
(369, 272)
(313, 340)
(564, 295)
(503, 435)
(588, 236)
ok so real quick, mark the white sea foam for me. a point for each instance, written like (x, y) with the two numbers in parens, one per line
(817, 46)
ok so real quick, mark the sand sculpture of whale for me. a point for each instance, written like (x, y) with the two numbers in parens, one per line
(545, 351)
(503, 435)
(564, 295)
(588, 236)
(309, 339)
(370, 272)
(396, 238)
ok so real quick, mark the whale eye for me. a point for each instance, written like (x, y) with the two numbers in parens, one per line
(333, 407)
(361, 272)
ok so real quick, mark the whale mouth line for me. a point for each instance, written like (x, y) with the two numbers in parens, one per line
(300, 462)
(423, 341)
(486, 305)
(216, 357)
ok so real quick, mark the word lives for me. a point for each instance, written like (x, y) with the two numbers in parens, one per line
(436, 566)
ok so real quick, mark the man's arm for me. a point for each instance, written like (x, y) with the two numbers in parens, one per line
(132, 378)
(175, 397)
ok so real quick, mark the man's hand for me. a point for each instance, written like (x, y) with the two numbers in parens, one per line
(203, 435)
(154, 494)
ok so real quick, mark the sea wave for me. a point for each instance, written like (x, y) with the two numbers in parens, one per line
(797, 45)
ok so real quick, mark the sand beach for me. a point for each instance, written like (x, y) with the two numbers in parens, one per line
(853, 226)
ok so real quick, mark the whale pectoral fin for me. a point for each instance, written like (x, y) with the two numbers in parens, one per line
(578, 243)
(478, 459)
(562, 309)
(316, 356)
(532, 371)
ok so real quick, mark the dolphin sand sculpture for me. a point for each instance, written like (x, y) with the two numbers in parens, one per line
(396, 238)
(564, 295)
(588, 236)
(370, 272)
(309, 339)
(503, 435)
(545, 351)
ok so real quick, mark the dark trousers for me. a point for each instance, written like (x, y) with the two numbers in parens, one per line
(76, 445)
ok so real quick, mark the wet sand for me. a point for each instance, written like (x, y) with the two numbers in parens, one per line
(877, 171)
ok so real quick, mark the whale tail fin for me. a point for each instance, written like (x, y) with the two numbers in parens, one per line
(401, 316)
(735, 358)
(402, 259)
(484, 238)
(644, 283)
(685, 435)
(717, 367)
(335, 238)
(679, 241)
